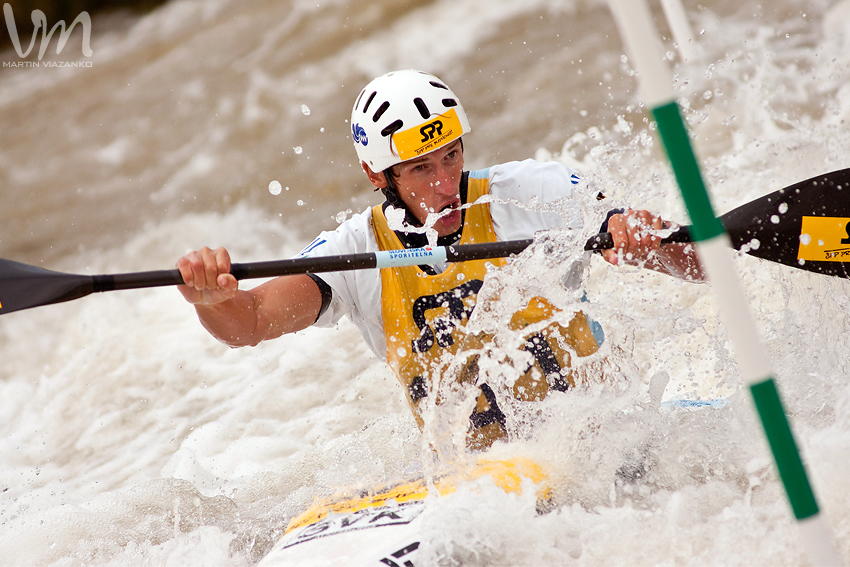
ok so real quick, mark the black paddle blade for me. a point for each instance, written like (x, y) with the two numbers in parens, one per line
(804, 226)
(23, 286)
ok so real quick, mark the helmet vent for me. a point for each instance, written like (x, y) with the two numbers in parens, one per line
(381, 110)
(369, 101)
(420, 106)
(392, 128)
(449, 102)
(438, 85)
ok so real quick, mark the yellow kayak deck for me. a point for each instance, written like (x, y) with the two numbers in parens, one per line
(506, 474)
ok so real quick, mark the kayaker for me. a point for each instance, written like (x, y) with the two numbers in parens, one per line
(407, 130)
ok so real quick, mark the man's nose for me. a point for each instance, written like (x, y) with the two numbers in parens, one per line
(444, 181)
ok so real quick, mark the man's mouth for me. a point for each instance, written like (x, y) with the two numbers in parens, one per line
(448, 215)
(450, 207)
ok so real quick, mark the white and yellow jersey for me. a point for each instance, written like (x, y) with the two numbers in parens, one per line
(416, 321)
(513, 187)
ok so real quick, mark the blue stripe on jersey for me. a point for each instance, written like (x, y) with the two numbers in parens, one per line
(480, 174)
(318, 242)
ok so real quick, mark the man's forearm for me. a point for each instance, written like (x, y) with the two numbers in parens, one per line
(679, 260)
(283, 305)
(233, 322)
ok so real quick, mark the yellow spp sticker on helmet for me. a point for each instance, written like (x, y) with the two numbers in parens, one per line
(419, 140)
(825, 239)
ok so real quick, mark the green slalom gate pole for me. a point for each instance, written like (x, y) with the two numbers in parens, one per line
(637, 29)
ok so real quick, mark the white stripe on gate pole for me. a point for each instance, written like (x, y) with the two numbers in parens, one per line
(735, 309)
(677, 19)
(634, 22)
(645, 50)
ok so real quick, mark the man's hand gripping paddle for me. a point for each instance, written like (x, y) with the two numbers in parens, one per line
(805, 226)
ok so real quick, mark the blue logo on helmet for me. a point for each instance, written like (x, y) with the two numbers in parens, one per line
(359, 134)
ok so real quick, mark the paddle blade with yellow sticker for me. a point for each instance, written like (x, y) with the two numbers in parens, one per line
(804, 225)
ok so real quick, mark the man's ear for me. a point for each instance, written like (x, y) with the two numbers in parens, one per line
(377, 179)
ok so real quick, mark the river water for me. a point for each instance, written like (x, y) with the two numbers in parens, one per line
(130, 437)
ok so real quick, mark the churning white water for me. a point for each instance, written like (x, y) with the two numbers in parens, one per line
(130, 437)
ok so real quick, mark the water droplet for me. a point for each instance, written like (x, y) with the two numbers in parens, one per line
(298, 150)
(275, 188)
(401, 351)
(805, 239)
(783, 208)
(774, 219)
(300, 203)
(305, 110)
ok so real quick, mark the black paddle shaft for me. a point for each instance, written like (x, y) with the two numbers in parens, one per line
(23, 286)
(770, 228)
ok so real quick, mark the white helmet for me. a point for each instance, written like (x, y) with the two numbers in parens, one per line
(403, 115)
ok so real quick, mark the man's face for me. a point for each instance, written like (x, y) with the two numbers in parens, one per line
(431, 185)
